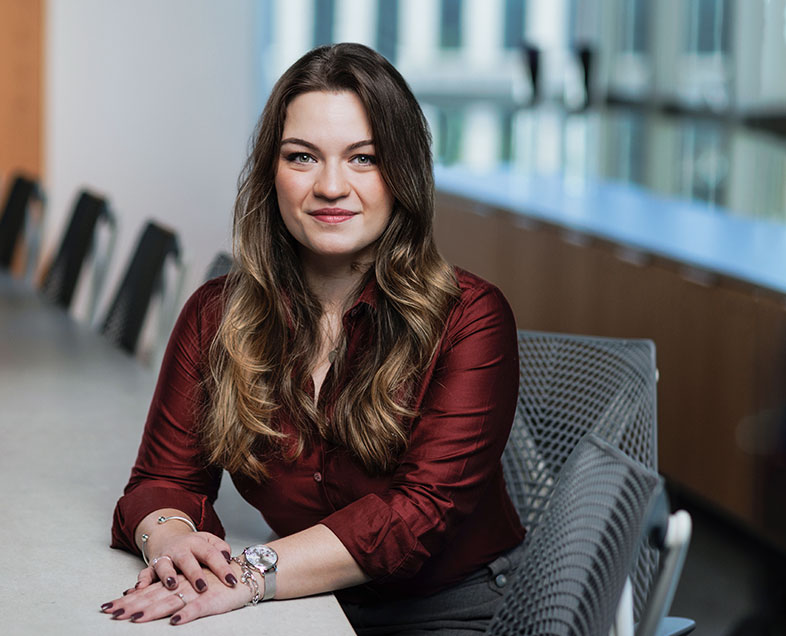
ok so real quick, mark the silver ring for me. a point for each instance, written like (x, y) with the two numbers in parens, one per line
(182, 598)
(158, 558)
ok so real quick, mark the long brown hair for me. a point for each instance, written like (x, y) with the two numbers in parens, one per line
(260, 359)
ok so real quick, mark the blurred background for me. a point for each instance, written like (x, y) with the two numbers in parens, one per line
(680, 105)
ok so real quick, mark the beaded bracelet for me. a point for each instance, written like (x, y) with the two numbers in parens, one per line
(161, 520)
(249, 579)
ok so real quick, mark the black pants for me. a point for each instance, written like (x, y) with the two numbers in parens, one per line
(465, 609)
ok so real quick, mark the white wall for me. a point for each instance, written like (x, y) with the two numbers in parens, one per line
(152, 103)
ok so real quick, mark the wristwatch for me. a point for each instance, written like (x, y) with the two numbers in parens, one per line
(264, 559)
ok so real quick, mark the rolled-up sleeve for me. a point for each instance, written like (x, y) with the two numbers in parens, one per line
(453, 459)
(170, 471)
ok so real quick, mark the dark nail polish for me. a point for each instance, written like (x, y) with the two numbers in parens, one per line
(170, 582)
(137, 615)
(118, 612)
(126, 592)
(227, 556)
(230, 578)
(201, 585)
(175, 619)
(136, 587)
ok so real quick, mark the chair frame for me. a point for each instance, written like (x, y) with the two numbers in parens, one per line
(140, 284)
(79, 244)
(15, 221)
(571, 385)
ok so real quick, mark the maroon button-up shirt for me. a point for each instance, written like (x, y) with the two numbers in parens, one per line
(442, 514)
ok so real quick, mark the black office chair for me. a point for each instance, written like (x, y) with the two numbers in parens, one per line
(22, 191)
(574, 577)
(79, 240)
(220, 265)
(143, 279)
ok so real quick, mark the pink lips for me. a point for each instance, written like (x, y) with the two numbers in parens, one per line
(332, 215)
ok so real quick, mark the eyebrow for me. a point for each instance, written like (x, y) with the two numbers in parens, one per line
(308, 144)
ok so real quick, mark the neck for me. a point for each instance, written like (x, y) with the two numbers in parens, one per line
(333, 281)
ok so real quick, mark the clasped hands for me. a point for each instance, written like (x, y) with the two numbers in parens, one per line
(190, 575)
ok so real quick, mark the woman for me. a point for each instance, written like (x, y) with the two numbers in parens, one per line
(357, 388)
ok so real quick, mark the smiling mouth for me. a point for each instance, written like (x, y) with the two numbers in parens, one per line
(332, 215)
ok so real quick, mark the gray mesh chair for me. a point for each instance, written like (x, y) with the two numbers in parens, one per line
(143, 279)
(14, 216)
(571, 386)
(575, 569)
(79, 241)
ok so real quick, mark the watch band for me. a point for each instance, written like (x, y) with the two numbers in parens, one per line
(270, 583)
(264, 560)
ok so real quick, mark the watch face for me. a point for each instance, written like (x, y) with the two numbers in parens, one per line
(261, 557)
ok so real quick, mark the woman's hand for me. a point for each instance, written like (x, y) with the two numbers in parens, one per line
(172, 552)
(155, 601)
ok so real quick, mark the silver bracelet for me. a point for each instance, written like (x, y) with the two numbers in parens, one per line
(249, 579)
(160, 520)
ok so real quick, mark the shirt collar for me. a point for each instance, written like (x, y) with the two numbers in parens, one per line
(369, 294)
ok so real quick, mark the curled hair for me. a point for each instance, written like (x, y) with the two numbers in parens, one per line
(261, 357)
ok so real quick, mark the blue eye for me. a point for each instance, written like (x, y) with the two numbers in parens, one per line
(299, 157)
(365, 160)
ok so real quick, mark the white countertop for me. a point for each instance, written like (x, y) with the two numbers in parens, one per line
(72, 408)
(691, 233)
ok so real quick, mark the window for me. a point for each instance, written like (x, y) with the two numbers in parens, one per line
(324, 16)
(387, 28)
(708, 26)
(635, 26)
(450, 27)
(514, 23)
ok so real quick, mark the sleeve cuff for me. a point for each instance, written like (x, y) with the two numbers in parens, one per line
(136, 505)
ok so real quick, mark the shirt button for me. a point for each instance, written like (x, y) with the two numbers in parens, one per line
(501, 580)
(317, 477)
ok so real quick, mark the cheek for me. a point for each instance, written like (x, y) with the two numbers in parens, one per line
(291, 186)
(283, 190)
(382, 197)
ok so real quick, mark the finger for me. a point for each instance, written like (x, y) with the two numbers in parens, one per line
(219, 544)
(192, 570)
(164, 567)
(119, 607)
(218, 600)
(145, 578)
(161, 603)
(192, 610)
(217, 563)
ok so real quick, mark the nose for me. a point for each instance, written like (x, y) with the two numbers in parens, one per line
(331, 182)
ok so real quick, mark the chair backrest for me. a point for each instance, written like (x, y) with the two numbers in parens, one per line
(219, 266)
(126, 314)
(577, 560)
(12, 219)
(570, 386)
(61, 278)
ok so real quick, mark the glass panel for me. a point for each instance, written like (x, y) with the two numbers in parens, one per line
(324, 16)
(708, 22)
(450, 28)
(387, 28)
(635, 26)
(514, 23)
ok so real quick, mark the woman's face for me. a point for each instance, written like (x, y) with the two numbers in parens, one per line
(331, 194)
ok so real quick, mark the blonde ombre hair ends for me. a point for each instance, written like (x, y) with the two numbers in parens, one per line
(261, 357)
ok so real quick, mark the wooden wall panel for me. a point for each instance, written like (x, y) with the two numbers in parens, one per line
(721, 345)
(21, 86)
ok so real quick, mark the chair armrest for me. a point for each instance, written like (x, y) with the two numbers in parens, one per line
(675, 626)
